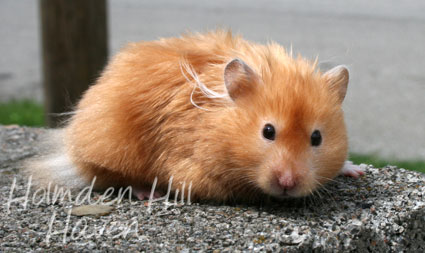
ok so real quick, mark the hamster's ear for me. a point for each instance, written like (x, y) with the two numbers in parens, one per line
(337, 79)
(239, 79)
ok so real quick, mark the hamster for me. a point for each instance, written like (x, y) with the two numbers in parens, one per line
(236, 119)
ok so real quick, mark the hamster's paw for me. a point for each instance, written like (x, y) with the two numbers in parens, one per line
(144, 193)
(352, 170)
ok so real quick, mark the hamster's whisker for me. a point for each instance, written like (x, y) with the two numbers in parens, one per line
(322, 188)
(64, 113)
(317, 190)
(318, 193)
(325, 191)
(328, 179)
(331, 197)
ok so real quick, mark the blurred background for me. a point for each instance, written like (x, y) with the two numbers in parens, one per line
(381, 41)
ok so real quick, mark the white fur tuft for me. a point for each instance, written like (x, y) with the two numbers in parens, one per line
(53, 165)
(197, 84)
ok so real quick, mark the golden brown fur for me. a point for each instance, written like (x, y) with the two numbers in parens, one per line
(137, 122)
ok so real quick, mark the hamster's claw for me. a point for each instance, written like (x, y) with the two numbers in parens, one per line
(144, 193)
(352, 170)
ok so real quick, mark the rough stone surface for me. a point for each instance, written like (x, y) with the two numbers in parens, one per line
(384, 211)
(381, 42)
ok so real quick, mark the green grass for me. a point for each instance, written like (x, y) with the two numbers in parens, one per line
(24, 113)
(379, 162)
(28, 113)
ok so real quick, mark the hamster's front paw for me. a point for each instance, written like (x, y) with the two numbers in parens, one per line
(352, 170)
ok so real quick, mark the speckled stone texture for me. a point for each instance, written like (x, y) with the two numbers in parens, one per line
(384, 211)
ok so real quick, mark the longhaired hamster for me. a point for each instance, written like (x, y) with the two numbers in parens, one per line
(236, 119)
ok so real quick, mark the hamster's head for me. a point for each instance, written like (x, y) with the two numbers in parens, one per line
(287, 126)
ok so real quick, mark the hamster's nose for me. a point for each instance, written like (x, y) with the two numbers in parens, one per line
(287, 180)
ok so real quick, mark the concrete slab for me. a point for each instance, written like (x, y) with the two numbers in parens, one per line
(382, 211)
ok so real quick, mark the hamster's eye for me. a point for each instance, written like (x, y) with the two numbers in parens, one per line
(316, 138)
(269, 132)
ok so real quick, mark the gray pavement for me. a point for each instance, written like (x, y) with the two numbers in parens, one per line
(382, 211)
(381, 41)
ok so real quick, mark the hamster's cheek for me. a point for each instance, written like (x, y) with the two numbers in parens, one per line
(264, 181)
(328, 168)
(305, 188)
